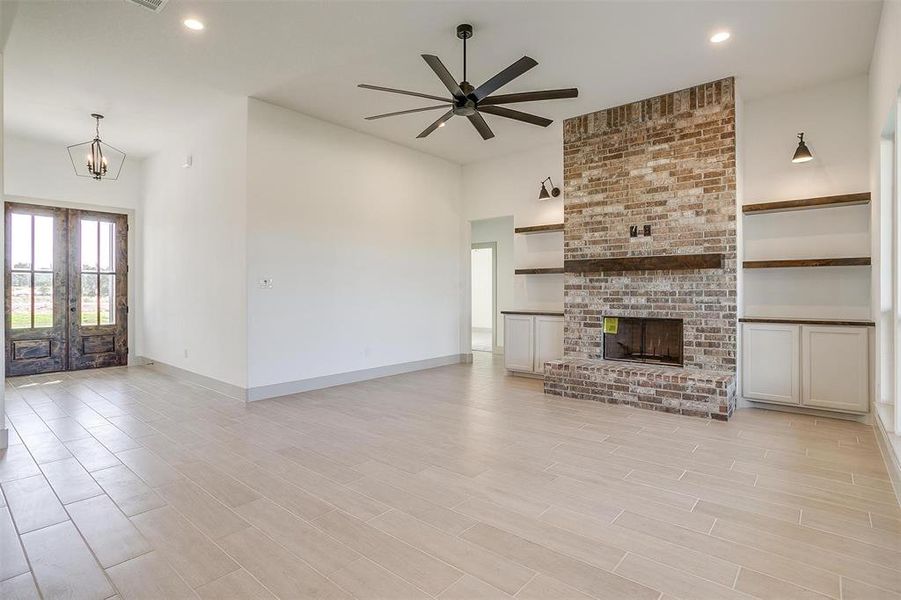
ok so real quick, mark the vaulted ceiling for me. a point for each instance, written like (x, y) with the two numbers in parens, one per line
(149, 74)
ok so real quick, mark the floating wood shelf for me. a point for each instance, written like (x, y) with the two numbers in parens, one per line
(807, 203)
(807, 262)
(544, 271)
(788, 321)
(539, 228)
(673, 262)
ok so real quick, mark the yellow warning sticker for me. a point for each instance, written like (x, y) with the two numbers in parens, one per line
(611, 325)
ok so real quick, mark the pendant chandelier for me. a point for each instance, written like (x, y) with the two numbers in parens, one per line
(96, 159)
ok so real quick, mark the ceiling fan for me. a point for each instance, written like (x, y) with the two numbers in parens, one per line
(470, 102)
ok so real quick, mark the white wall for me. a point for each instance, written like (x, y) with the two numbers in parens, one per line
(834, 119)
(482, 288)
(884, 85)
(507, 186)
(40, 169)
(500, 231)
(362, 238)
(194, 220)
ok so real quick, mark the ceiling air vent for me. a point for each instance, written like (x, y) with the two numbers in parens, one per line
(154, 5)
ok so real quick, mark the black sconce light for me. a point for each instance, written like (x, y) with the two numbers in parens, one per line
(543, 194)
(802, 153)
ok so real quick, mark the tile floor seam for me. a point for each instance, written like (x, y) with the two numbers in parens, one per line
(74, 526)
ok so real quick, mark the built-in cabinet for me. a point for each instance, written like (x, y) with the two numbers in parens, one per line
(806, 302)
(530, 340)
(813, 366)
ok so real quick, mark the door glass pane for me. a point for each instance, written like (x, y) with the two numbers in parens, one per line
(21, 300)
(43, 243)
(20, 241)
(43, 298)
(88, 299)
(107, 299)
(88, 245)
(107, 235)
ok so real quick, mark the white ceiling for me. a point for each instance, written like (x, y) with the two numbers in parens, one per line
(148, 74)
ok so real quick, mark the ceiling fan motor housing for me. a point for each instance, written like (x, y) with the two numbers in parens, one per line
(465, 106)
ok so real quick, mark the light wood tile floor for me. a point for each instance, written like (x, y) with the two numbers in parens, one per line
(453, 483)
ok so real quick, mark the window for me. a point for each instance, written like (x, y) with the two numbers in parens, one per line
(31, 271)
(98, 272)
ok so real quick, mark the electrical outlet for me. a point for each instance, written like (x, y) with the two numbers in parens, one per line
(265, 284)
(633, 230)
(647, 230)
(186, 353)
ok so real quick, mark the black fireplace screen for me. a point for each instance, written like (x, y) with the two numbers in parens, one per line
(655, 341)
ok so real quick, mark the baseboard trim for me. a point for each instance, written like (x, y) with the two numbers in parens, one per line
(226, 389)
(275, 390)
(889, 456)
(865, 418)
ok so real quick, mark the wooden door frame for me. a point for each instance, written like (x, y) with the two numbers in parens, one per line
(134, 255)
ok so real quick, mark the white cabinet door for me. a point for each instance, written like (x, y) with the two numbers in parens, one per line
(548, 340)
(836, 367)
(518, 343)
(771, 363)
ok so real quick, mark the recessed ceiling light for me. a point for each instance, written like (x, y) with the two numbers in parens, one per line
(720, 36)
(442, 124)
(193, 24)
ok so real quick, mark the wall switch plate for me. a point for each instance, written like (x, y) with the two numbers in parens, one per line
(647, 230)
(265, 284)
(633, 230)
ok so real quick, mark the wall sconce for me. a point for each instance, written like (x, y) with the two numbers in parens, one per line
(802, 153)
(543, 194)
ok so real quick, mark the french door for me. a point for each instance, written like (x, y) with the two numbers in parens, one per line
(66, 289)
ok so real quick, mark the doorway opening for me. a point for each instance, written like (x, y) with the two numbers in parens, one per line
(66, 299)
(484, 295)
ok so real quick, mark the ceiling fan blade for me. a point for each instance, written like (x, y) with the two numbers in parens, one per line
(442, 119)
(478, 121)
(443, 74)
(504, 77)
(509, 113)
(404, 92)
(405, 112)
(530, 96)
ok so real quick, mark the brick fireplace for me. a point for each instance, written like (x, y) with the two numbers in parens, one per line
(667, 165)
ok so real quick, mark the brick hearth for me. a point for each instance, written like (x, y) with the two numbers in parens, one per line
(668, 162)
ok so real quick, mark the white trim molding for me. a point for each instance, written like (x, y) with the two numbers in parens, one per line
(275, 390)
(890, 445)
(226, 389)
(317, 383)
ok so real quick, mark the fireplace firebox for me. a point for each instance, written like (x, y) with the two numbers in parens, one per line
(654, 341)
